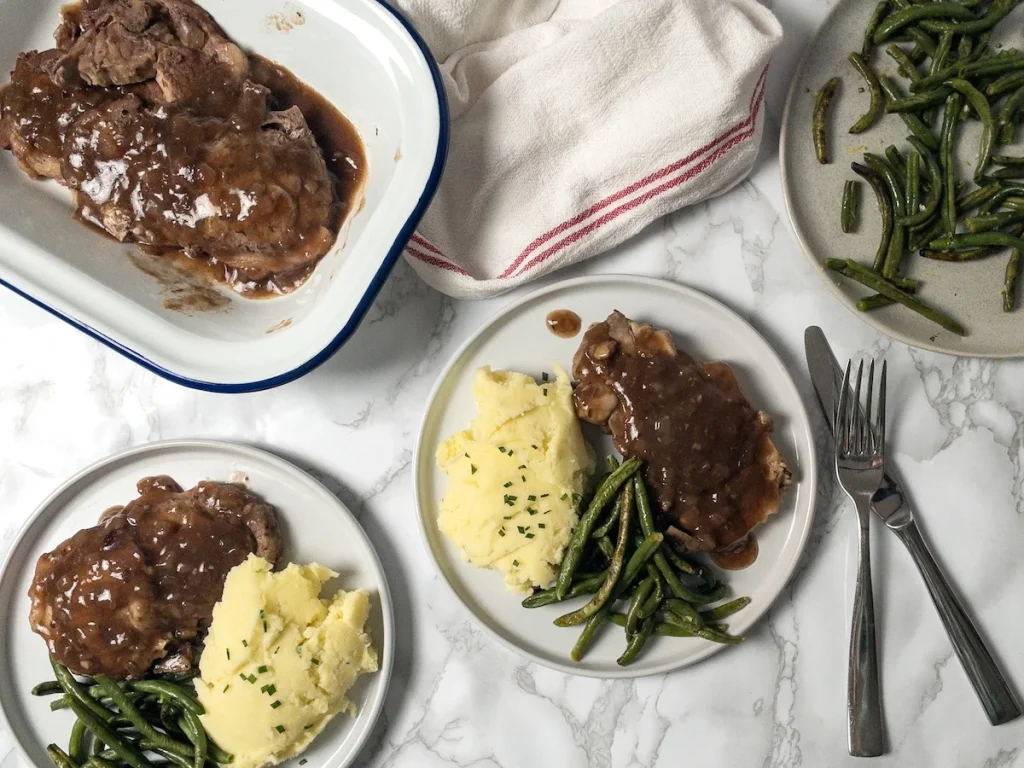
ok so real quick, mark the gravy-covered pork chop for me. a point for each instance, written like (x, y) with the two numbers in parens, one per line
(140, 586)
(708, 452)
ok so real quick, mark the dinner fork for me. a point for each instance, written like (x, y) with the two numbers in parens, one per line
(860, 464)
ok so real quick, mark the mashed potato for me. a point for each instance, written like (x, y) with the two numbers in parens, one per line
(515, 477)
(279, 661)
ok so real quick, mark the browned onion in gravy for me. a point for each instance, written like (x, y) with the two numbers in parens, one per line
(564, 323)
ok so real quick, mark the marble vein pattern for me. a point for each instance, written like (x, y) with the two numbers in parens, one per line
(458, 699)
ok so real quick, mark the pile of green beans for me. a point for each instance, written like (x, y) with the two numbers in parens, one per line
(618, 556)
(120, 724)
(941, 50)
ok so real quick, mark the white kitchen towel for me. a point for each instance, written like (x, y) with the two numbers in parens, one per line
(575, 123)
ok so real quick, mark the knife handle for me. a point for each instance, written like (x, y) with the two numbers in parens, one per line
(989, 682)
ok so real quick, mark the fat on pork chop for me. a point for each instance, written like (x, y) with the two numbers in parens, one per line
(140, 586)
(708, 452)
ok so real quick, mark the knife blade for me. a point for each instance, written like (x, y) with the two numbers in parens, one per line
(890, 505)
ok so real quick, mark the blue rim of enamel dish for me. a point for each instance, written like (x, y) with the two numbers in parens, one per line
(365, 302)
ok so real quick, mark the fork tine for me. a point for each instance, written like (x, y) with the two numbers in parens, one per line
(880, 429)
(870, 434)
(842, 425)
(856, 416)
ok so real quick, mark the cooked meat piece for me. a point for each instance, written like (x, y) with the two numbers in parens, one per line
(140, 586)
(158, 122)
(710, 460)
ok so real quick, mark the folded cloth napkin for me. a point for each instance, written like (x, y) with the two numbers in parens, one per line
(575, 123)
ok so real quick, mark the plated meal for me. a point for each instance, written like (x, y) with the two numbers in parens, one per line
(912, 110)
(171, 136)
(178, 635)
(633, 539)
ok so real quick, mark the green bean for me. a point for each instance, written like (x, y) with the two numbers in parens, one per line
(876, 107)
(987, 66)
(175, 693)
(996, 13)
(614, 569)
(819, 120)
(585, 586)
(914, 123)
(1004, 160)
(917, 215)
(101, 730)
(876, 17)
(878, 284)
(193, 728)
(76, 743)
(918, 13)
(681, 564)
(1008, 132)
(638, 560)
(95, 761)
(60, 758)
(922, 40)
(1010, 281)
(898, 163)
(892, 182)
(981, 106)
(969, 254)
(587, 635)
(98, 746)
(1014, 203)
(913, 183)
(605, 545)
(977, 239)
(1011, 81)
(979, 196)
(725, 611)
(48, 688)
(177, 760)
(885, 210)
(218, 755)
(1012, 104)
(1007, 173)
(636, 642)
(904, 63)
(1002, 195)
(636, 604)
(919, 101)
(682, 609)
(577, 545)
(601, 531)
(941, 53)
(874, 301)
(990, 221)
(657, 595)
(75, 692)
(949, 121)
(129, 710)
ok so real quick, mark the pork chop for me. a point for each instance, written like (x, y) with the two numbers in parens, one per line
(708, 453)
(140, 586)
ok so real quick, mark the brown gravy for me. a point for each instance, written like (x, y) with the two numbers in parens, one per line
(564, 323)
(142, 583)
(737, 559)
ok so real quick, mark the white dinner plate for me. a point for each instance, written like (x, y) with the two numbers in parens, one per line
(517, 338)
(315, 526)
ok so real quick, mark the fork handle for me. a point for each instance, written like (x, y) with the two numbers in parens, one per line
(988, 680)
(864, 699)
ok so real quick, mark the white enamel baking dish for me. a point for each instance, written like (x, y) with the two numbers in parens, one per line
(360, 54)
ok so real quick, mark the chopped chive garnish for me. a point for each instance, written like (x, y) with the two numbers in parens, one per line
(541, 525)
(545, 391)
(507, 517)
(515, 562)
(262, 669)
(279, 647)
(534, 447)
(275, 704)
(303, 761)
(510, 500)
(532, 512)
(306, 728)
(521, 529)
(547, 511)
(521, 466)
(245, 643)
(279, 728)
(251, 678)
(271, 689)
(226, 688)
(502, 448)
(242, 676)
(523, 477)
(531, 498)
(544, 377)
(529, 535)
(563, 497)
(510, 453)
(472, 469)
(227, 651)
(315, 661)
(262, 613)
(467, 455)
(544, 495)
(508, 484)
(501, 531)
(265, 688)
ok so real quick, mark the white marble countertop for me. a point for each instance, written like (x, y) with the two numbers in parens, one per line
(457, 698)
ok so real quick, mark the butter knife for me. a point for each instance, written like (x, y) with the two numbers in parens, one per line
(890, 505)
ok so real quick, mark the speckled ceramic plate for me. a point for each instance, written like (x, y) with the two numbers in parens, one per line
(316, 527)
(517, 339)
(969, 292)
